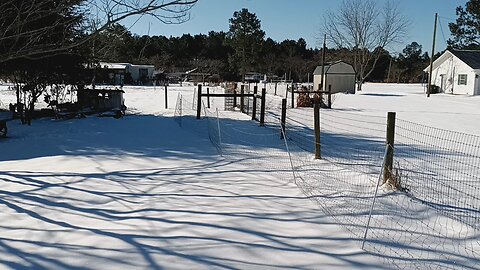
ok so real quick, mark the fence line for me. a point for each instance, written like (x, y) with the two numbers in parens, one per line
(426, 216)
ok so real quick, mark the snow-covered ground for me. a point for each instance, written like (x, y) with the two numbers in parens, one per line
(143, 193)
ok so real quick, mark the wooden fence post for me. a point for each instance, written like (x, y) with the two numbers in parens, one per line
(284, 118)
(275, 88)
(166, 97)
(262, 107)
(316, 123)
(242, 101)
(208, 97)
(254, 105)
(199, 101)
(234, 98)
(387, 171)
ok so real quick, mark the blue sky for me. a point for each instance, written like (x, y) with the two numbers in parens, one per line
(292, 19)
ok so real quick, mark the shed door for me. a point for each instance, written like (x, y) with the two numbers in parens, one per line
(477, 85)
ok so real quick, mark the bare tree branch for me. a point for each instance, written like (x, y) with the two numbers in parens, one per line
(20, 39)
(364, 29)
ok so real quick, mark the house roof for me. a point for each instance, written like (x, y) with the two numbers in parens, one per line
(469, 57)
(113, 65)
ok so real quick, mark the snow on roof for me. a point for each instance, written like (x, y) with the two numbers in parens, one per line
(114, 65)
(122, 65)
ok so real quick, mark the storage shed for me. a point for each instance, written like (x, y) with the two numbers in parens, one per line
(339, 77)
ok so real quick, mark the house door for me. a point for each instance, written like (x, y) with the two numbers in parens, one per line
(443, 82)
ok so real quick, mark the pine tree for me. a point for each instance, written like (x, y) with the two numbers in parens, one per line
(246, 37)
(466, 29)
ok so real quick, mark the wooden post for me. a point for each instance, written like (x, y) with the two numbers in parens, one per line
(242, 101)
(293, 97)
(275, 88)
(430, 75)
(387, 171)
(284, 117)
(254, 105)
(316, 123)
(208, 97)
(262, 107)
(199, 101)
(166, 97)
(234, 98)
(329, 96)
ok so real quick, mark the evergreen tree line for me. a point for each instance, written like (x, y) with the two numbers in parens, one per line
(215, 53)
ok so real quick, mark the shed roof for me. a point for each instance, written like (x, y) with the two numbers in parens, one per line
(469, 57)
(328, 66)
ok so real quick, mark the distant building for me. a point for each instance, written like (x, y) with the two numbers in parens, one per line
(253, 77)
(339, 77)
(457, 72)
(126, 73)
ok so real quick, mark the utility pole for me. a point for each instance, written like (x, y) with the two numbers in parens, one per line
(389, 68)
(430, 75)
(323, 61)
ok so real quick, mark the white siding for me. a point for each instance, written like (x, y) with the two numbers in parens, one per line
(340, 77)
(477, 82)
(135, 71)
(446, 76)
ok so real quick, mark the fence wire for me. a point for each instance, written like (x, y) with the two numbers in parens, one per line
(426, 216)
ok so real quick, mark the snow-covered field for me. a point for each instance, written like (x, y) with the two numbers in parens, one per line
(143, 193)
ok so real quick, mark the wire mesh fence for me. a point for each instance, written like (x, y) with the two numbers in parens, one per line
(425, 216)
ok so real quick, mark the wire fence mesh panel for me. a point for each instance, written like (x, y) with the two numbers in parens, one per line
(343, 181)
(425, 214)
(177, 116)
(428, 215)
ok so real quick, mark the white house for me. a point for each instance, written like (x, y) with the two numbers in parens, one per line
(457, 72)
(339, 77)
(139, 74)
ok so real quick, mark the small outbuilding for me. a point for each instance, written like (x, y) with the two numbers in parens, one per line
(126, 73)
(339, 77)
(457, 72)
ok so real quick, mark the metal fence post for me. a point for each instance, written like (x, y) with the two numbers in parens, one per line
(166, 97)
(387, 173)
(199, 101)
(330, 96)
(242, 101)
(262, 107)
(208, 97)
(316, 123)
(254, 105)
(293, 96)
(284, 118)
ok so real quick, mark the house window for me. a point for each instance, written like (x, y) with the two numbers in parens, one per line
(462, 79)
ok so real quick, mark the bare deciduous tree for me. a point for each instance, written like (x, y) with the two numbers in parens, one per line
(363, 28)
(19, 38)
